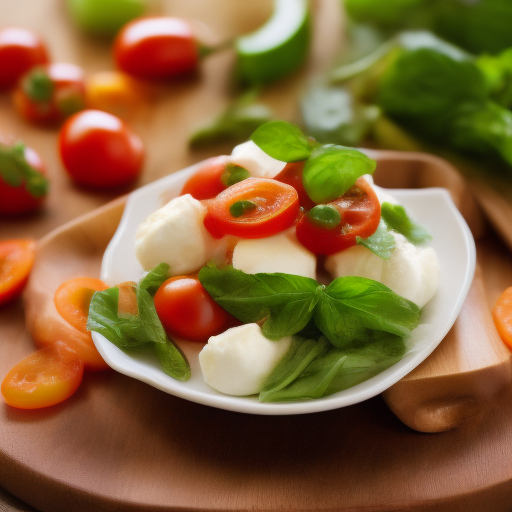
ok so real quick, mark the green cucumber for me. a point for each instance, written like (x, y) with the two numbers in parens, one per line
(277, 48)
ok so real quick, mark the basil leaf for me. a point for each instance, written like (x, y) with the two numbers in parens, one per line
(381, 243)
(397, 219)
(173, 361)
(282, 141)
(285, 302)
(351, 305)
(332, 170)
(154, 279)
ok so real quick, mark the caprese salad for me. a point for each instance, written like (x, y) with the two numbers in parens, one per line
(298, 274)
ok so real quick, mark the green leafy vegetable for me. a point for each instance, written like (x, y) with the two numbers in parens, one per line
(133, 331)
(234, 174)
(382, 243)
(16, 171)
(497, 70)
(397, 219)
(284, 301)
(332, 170)
(351, 305)
(324, 216)
(282, 141)
(242, 207)
(38, 86)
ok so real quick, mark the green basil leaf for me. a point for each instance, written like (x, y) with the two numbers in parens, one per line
(282, 141)
(285, 302)
(381, 243)
(172, 360)
(332, 170)
(155, 278)
(497, 70)
(350, 306)
(397, 219)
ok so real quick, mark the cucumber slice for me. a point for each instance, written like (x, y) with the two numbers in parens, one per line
(277, 48)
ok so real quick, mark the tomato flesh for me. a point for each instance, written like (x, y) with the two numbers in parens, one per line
(16, 260)
(360, 216)
(206, 182)
(277, 208)
(44, 378)
(187, 311)
(292, 175)
(502, 316)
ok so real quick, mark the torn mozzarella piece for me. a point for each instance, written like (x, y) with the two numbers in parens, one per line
(239, 361)
(279, 253)
(175, 234)
(412, 271)
(256, 161)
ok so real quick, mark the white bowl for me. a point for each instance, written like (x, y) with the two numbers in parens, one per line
(432, 207)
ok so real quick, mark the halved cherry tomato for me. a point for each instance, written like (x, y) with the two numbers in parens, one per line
(99, 150)
(16, 260)
(206, 182)
(73, 297)
(360, 216)
(275, 207)
(28, 196)
(156, 48)
(292, 175)
(20, 50)
(49, 94)
(187, 311)
(44, 378)
(502, 315)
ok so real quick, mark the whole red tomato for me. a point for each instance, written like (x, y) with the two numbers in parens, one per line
(99, 150)
(23, 185)
(156, 48)
(50, 94)
(187, 311)
(20, 50)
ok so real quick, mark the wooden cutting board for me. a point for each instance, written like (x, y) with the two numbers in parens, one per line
(119, 444)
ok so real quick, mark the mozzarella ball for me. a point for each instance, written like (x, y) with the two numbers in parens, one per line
(239, 361)
(412, 271)
(175, 234)
(256, 161)
(279, 253)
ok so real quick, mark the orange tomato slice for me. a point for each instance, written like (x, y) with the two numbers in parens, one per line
(44, 378)
(502, 315)
(16, 260)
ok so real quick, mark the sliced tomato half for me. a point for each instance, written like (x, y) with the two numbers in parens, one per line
(274, 207)
(292, 175)
(359, 208)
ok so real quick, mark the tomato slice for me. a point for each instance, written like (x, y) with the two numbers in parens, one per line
(206, 182)
(16, 260)
(187, 311)
(275, 207)
(292, 175)
(502, 316)
(359, 208)
(44, 378)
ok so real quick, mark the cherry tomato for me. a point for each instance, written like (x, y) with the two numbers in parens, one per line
(253, 208)
(359, 209)
(44, 378)
(49, 94)
(20, 50)
(206, 182)
(99, 150)
(73, 297)
(33, 188)
(156, 48)
(292, 175)
(502, 315)
(187, 311)
(16, 260)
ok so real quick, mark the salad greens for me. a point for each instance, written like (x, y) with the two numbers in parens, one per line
(382, 243)
(135, 330)
(396, 218)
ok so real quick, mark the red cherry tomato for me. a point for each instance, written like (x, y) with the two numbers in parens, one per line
(22, 199)
(99, 150)
(292, 175)
(206, 182)
(276, 206)
(187, 311)
(44, 378)
(16, 260)
(360, 216)
(49, 94)
(156, 48)
(20, 50)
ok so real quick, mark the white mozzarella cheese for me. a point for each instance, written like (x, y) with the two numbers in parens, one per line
(279, 253)
(412, 271)
(238, 361)
(175, 234)
(256, 161)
